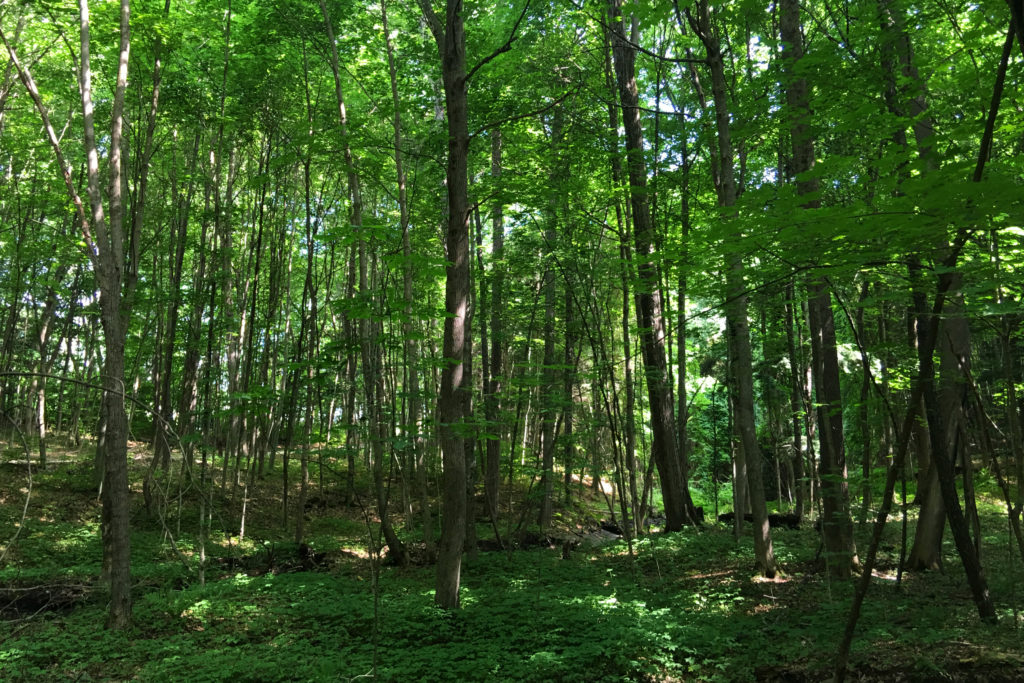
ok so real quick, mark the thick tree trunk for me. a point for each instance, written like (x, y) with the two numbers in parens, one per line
(451, 44)
(938, 428)
(837, 526)
(907, 98)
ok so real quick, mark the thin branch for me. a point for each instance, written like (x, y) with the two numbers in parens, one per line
(650, 53)
(504, 48)
(540, 110)
(433, 23)
(65, 170)
(993, 112)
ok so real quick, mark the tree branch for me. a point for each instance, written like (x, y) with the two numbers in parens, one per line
(65, 170)
(504, 48)
(650, 53)
(540, 110)
(433, 23)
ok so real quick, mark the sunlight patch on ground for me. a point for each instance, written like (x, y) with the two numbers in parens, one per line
(778, 578)
(357, 551)
(606, 486)
(764, 608)
(711, 575)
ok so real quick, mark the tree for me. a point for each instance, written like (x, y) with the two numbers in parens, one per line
(103, 233)
(679, 509)
(740, 354)
(837, 526)
(451, 47)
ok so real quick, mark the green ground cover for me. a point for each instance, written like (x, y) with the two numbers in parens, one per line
(685, 606)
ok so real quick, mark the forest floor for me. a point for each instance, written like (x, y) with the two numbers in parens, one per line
(672, 607)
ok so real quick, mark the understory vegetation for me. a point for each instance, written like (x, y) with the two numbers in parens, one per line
(681, 606)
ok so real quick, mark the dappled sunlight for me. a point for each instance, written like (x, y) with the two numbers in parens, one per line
(604, 485)
(685, 606)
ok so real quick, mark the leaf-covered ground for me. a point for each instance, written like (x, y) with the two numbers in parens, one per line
(683, 606)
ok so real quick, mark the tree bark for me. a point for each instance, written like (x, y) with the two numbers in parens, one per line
(737, 323)
(110, 265)
(678, 505)
(451, 45)
(837, 527)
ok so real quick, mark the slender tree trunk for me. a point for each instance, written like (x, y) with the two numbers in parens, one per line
(837, 528)
(863, 425)
(373, 384)
(548, 374)
(678, 505)
(110, 266)
(162, 449)
(492, 398)
(795, 403)
(411, 429)
(627, 414)
(682, 393)
(356, 219)
(569, 364)
(37, 385)
(736, 304)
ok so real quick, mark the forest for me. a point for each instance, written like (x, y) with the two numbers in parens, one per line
(550, 340)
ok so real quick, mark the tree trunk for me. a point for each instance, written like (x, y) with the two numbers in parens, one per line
(678, 505)
(548, 374)
(837, 527)
(492, 398)
(625, 471)
(451, 45)
(569, 365)
(411, 429)
(109, 268)
(938, 429)
(737, 324)
(795, 403)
